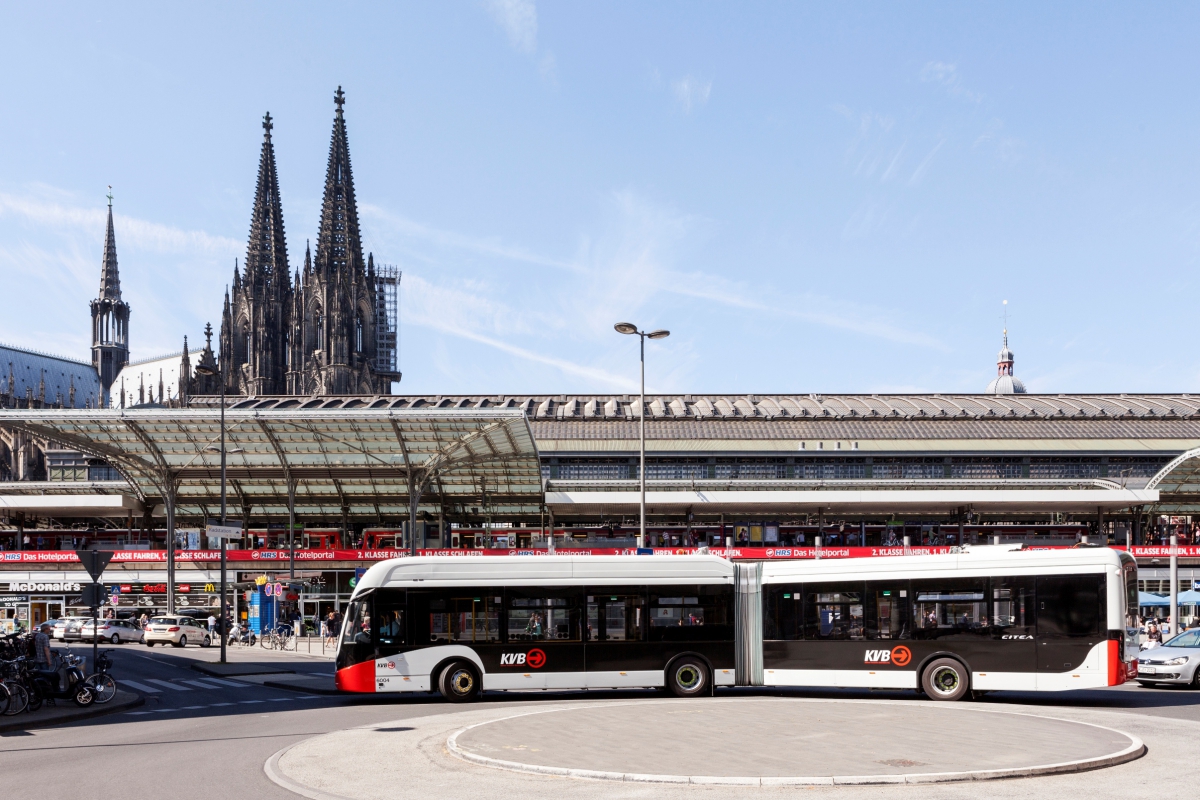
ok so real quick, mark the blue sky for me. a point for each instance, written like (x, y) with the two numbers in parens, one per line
(813, 198)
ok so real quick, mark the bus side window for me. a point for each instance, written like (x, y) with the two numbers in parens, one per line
(535, 617)
(691, 613)
(1069, 605)
(615, 615)
(833, 611)
(887, 614)
(358, 622)
(1013, 610)
(390, 608)
(950, 607)
(783, 617)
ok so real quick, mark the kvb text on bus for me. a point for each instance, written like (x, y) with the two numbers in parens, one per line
(984, 619)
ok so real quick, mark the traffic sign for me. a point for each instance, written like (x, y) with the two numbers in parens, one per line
(94, 561)
(224, 531)
(94, 595)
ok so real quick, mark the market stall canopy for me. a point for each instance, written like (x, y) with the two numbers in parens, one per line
(364, 463)
(1146, 599)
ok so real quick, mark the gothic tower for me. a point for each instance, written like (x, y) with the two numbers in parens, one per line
(255, 325)
(110, 316)
(334, 332)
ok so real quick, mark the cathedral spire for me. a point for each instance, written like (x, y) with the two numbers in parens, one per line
(266, 251)
(339, 248)
(110, 279)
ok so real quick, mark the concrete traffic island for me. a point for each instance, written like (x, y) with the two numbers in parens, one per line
(776, 741)
(673, 748)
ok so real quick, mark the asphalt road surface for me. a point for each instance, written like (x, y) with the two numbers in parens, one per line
(203, 737)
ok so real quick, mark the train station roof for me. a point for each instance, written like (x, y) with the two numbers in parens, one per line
(1178, 485)
(357, 461)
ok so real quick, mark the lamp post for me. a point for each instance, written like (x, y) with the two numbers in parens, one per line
(209, 371)
(630, 329)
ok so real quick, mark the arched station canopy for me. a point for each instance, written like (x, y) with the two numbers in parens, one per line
(1178, 485)
(366, 464)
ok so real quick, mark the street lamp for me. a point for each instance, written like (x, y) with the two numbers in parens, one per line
(630, 329)
(210, 372)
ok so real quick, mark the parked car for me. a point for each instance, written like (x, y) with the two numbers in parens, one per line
(112, 630)
(1175, 661)
(72, 631)
(58, 625)
(178, 631)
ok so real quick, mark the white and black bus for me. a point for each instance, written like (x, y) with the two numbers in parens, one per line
(985, 619)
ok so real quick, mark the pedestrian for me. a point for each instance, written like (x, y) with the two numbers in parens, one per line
(212, 624)
(335, 629)
(43, 656)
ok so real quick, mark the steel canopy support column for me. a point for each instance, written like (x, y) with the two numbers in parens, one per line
(169, 499)
(291, 530)
(414, 501)
(1174, 584)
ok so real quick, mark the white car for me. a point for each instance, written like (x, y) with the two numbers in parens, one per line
(112, 630)
(67, 628)
(177, 631)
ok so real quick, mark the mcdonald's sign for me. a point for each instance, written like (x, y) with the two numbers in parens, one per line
(208, 587)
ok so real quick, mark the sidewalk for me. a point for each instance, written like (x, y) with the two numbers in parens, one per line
(66, 711)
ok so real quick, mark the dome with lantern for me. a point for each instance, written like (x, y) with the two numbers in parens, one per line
(1005, 382)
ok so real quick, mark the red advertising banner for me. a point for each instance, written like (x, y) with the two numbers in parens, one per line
(310, 556)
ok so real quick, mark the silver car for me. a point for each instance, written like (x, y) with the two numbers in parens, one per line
(1177, 661)
(112, 630)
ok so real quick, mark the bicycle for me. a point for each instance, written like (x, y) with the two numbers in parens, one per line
(103, 685)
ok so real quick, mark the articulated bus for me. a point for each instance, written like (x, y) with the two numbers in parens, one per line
(984, 619)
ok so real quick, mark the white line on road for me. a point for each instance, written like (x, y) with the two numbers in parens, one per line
(232, 684)
(168, 685)
(141, 687)
(246, 702)
(201, 685)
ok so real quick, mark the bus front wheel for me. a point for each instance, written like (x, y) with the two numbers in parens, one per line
(945, 679)
(688, 677)
(459, 683)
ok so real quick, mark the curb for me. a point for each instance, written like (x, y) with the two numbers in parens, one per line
(1134, 751)
(94, 711)
(276, 776)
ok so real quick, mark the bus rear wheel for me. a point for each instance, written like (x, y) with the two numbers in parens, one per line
(688, 677)
(459, 683)
(945, 679)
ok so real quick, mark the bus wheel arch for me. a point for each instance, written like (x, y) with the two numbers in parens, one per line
(689, 675)
(945, 676)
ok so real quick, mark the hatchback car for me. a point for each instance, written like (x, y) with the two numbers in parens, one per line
(178, 631)
(112, 630)
(1177, 661)
(72, 629)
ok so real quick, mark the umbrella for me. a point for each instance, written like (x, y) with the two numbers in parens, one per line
(1147, 599)
(1189, 598)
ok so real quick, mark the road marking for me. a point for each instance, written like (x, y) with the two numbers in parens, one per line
(168, 685)
(190, 708)
(136, 713)
(141, 687)
(201, 685)
(214, 705)
(232, 684)
(247, 702)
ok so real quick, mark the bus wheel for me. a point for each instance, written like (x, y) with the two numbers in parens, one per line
(945, 679)
(459, 683)
(688, 677)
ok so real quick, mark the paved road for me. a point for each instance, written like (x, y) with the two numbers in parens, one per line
(199, 738)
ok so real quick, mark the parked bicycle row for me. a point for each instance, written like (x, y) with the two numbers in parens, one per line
(33, 674)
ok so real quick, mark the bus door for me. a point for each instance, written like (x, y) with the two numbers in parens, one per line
(543, 645)
(617, 651)
(1013, 627)
(1069, 620)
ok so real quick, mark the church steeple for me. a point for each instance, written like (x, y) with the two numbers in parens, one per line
(339, 248)
(266, 252)
(110, 315)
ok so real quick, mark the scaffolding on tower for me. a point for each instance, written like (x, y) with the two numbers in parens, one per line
(387, 316)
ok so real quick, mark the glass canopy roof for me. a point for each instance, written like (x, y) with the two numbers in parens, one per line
(359, 462)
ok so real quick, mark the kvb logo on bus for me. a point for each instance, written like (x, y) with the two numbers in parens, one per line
(899, 656)
(535, 658)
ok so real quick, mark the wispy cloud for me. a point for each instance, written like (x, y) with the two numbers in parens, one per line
(919, 172)
(946, 75)
(518, 18)
(691, 92)
(139, 233)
